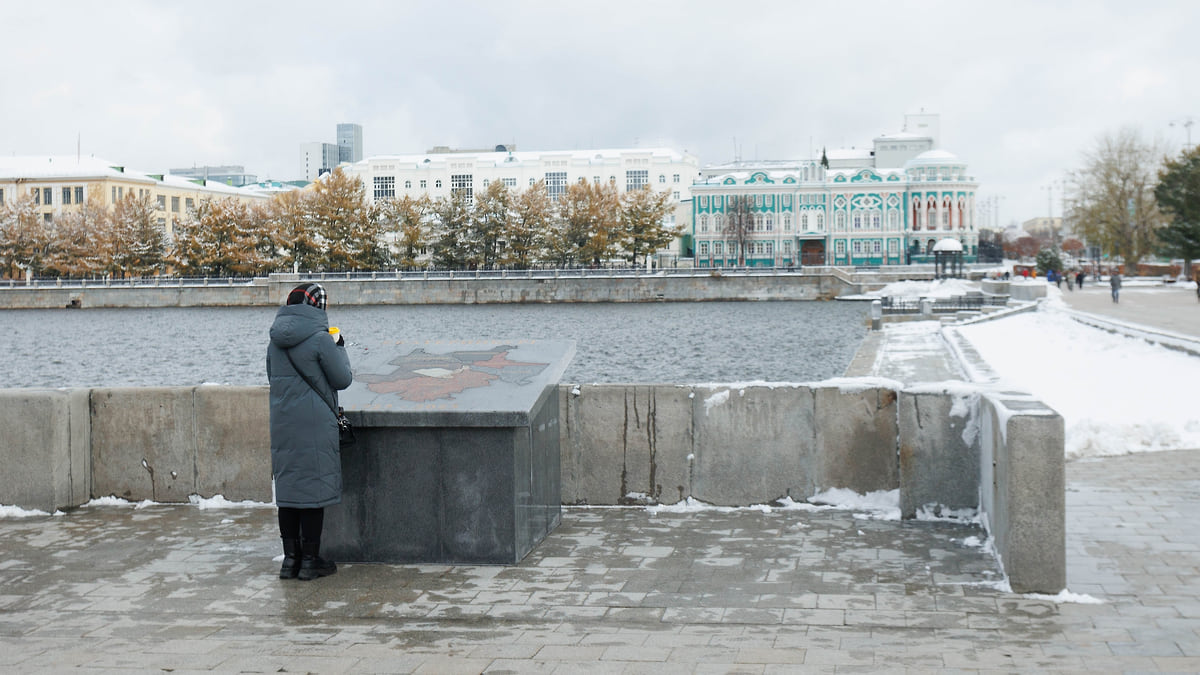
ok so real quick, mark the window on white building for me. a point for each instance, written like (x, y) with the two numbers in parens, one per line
(437, 183)
(162, 202)
(893, 220)
(47, 196)
(840, 246)
(704, 248)
(717, 248)
(840, 221)
(874, 220)
(877, 247)
(675, 178)
(66, 195)
(424, 183)
(78, 196)
(704, 223)
(787, 222)
(408, 185)
(820, 221)
(510, 182)
(556, 184)
(463, 184)
(636, 178)
(662, 179)
(769, 221)
(857, 218)
(385, 187)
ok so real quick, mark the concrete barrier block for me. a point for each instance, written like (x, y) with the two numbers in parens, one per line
(233, 442)
(621, 439)
(939, 450)
(79, 478)
(856, 431)
(35, 455)
(144, 443)
(753, 444)
(1030, 495)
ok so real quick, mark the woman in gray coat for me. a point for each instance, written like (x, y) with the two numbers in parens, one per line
(306, 368)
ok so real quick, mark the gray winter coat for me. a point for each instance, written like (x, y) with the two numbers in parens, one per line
(305, 458)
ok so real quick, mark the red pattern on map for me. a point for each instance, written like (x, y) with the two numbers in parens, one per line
(422, 388)
(500, 360)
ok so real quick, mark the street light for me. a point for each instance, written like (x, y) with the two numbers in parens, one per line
(1186, 123)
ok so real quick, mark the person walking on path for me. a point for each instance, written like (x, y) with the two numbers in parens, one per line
(1079, 279)
(306, 367)
(1115, 282)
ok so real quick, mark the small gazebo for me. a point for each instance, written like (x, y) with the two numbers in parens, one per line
(948, 259)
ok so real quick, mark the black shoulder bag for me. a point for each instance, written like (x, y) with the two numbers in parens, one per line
(345, 429)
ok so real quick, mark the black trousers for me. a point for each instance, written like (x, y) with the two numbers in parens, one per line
(303, 524)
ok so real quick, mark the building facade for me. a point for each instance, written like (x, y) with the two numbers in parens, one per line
(886, 205)
(58, 184)
(437, 174)
(317, 159)
(350, 142)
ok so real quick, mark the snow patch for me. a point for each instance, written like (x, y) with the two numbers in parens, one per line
(1065, 596)
(7, 511)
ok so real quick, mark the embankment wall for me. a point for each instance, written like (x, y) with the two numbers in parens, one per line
(944, 449)
(463, 289)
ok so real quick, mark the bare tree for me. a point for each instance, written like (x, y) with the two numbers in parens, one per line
(1114, 204)
(739, 223)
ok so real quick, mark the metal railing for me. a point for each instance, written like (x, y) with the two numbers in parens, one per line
(961, 303)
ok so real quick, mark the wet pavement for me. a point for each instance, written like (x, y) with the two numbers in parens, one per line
(174, 588)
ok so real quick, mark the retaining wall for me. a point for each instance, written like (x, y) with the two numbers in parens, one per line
(460, 290)
(943, 448)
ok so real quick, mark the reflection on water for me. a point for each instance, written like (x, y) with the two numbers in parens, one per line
(654, 342)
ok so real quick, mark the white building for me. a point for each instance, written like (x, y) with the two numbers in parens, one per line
(438, 173)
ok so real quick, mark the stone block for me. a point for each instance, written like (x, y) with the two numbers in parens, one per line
(1028, 504)
(620, 439)
(144, 443)
(39, 468)
(856, 432)
(939, 451)
(753, 444)
(233, 442)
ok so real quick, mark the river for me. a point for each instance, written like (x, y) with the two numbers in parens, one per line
(652, 342)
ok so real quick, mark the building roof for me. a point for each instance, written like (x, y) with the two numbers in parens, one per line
(67, 167)
(517, 157)
(934, 157)
(951, 245)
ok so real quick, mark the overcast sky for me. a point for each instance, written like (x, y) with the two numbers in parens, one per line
(1023, 89)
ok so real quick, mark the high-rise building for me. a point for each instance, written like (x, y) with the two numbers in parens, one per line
(350, 142)
(318, 158)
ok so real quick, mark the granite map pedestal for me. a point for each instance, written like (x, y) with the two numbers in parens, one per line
(457, 458)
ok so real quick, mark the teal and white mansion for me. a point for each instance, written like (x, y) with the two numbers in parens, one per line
(887, 205)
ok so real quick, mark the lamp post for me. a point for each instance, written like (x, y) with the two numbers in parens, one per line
(1186, 123)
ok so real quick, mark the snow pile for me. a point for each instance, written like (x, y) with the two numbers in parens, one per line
(18, 512)
(1066, 596)
(880, 505)
(1116, 394)
(938, 288)
(219, 502)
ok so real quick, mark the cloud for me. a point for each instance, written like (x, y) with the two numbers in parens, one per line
(1022, 88)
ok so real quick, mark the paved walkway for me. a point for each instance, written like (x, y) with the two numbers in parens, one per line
(618, 590)
(1171, 307)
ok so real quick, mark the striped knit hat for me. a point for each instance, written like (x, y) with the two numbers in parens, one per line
(307, 294)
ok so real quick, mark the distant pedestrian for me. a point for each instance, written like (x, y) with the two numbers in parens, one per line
(1079, 279)
(1070, 284)
(1115, 282)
